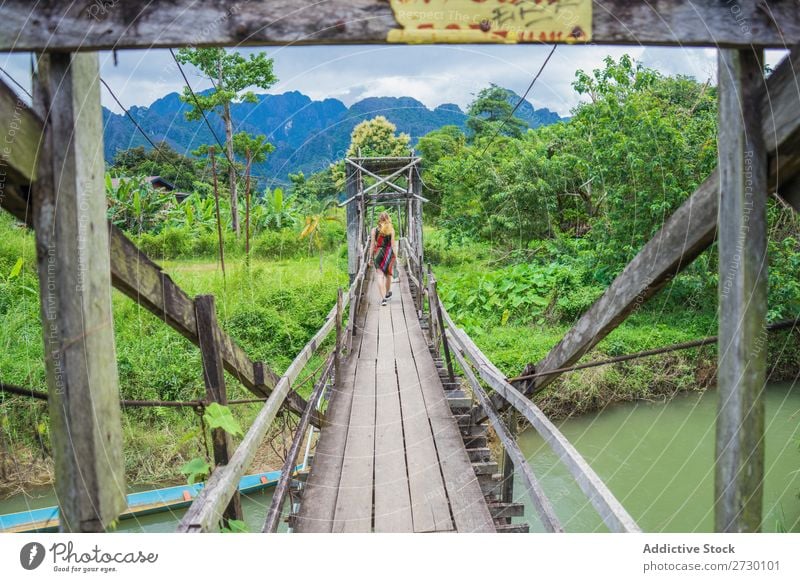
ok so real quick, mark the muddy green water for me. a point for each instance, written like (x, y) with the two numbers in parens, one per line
(657, 458)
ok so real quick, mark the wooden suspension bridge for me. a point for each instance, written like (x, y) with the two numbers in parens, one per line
(403, 440)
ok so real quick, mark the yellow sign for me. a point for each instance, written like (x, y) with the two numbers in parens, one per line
(497, 21)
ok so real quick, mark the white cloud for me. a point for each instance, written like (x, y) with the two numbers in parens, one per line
(431, 74)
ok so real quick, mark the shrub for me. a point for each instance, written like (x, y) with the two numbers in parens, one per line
(281, 244)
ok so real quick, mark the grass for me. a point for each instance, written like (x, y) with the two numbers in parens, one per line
(667, 318)
(271, 309)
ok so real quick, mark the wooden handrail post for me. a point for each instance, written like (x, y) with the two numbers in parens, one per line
(507, 491)
(741, 370)
(72, 243)
(433, 327)
(214, 377)
(337, 350)
(445, 345)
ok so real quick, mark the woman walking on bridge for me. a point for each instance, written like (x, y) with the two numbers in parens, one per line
(384, 254)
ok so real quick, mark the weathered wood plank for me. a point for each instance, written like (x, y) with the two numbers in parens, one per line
(319, 496)
(467, 503)
(392, 497)
(610, 509)
(214, 378)
(369, 333)
(686, 233)
(87, 25)
(741, 371)
(75, 294)
(429, 505)
(537, 495)
(354, 501)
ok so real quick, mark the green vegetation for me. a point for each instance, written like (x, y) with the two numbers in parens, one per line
(271, 309)
(526, 229)
(530, 228)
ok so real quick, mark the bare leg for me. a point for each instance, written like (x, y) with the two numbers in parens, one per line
(388, 284)
(381, 279)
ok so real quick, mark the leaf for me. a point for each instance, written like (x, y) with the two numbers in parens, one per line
(218, 416)
(196, 470)
(504, 319)
(16, 269)
(235, 526)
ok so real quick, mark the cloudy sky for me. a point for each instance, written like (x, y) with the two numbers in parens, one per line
(432, 74)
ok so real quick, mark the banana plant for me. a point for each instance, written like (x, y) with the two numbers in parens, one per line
(276, 210)
(319, 214)
(134, 205)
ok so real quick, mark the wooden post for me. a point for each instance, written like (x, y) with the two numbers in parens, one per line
(445, 345)
(353, 246)
(432, 328)
(742, 230)
(72, 246)
(507, 491)
(416, 188)
(337, 351)
(213, 374)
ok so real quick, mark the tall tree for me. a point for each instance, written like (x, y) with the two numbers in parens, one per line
(491, 111)
(231, 74)
(254, 148)
(377, 137)
(374, 137)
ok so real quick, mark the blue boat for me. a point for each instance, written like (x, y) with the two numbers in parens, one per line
(141, 503)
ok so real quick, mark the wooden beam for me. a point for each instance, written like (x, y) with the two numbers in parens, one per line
(75, 294)
(610, 509)
(741, 370)
(689, 231)
(208, 333)
(507, 494)
(540, 501)
(90, 25)
(353, 246)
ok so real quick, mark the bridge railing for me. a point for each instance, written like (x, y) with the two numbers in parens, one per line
(456, 342)
(207, 511)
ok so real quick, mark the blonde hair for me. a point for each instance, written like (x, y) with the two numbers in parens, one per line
(385, 224)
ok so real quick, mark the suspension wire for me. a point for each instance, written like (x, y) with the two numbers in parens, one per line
(202, 111)
(128, 114)
(521, 99)
(779, 325)
(13, 80)
(40, 395)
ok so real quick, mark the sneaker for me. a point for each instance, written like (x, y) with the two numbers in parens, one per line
(383, 302)
(389, 294)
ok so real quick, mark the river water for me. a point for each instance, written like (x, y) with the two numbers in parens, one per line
(656, 457)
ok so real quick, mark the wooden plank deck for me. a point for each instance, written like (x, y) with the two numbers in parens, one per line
(390, 457)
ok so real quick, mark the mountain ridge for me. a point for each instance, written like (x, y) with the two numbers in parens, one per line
(307, 134)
